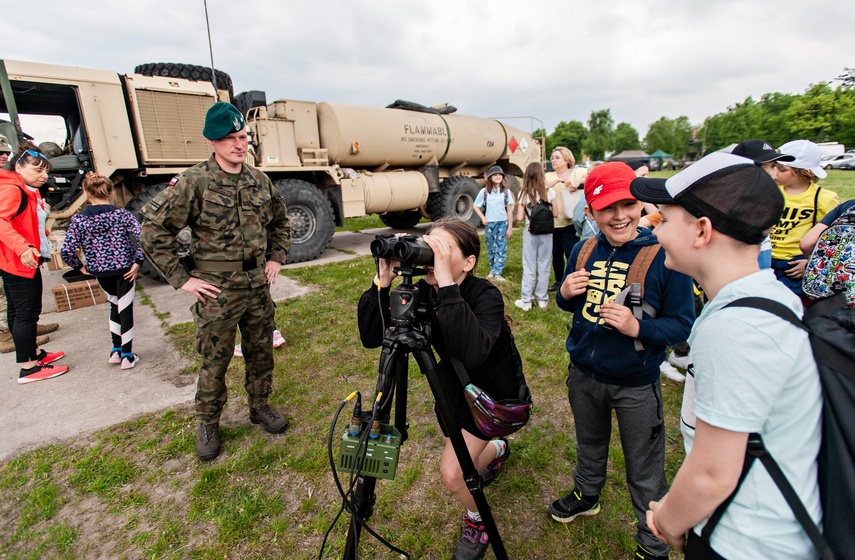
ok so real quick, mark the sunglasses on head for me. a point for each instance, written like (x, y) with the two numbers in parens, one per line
(36, 154)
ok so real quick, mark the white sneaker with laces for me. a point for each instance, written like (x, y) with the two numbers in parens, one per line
(543, 304)
(671, 372)
(524, 305)
(679, 361)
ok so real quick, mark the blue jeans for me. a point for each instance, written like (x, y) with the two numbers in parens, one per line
(780, 266)
(496, 237)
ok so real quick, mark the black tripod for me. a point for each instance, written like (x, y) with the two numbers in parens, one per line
(402, 339)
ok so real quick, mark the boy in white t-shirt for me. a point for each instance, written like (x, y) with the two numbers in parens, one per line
(750, 371)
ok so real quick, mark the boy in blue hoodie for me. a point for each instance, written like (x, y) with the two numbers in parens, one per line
(615, 357)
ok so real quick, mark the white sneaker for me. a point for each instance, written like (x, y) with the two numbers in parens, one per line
(679, 361)
(671, 372)
(129, 364)
(524, 305)
(278, 339)
(543, 304)
(498, 278)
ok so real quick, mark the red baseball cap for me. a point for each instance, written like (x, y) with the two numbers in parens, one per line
(608, 183)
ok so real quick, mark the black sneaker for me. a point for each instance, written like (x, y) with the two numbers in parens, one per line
(271, 420)
(473, 542)
(208, 441)
(642, 553)
(571, 506)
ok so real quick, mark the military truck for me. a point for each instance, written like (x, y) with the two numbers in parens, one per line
(330, 161)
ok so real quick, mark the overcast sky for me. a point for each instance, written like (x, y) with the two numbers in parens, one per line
(554, 60)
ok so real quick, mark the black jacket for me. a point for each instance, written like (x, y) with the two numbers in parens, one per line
(467, 322)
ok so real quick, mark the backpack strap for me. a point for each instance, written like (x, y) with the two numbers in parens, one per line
(816, 203)
(641, 264)
(770, 306)
(585, 252)
(637, 273)
(23, 205)
(757, 450)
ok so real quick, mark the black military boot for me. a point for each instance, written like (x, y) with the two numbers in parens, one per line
(208, 441)
(271, 420)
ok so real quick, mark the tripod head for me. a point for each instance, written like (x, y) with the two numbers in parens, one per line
(406, 306)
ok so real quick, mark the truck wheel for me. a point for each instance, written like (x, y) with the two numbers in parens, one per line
(401, 220)
(182, 241)
(188, 72)
(311, 217)
(455, 198)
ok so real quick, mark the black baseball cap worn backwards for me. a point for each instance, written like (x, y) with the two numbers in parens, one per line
(740, 199)
(221, 120)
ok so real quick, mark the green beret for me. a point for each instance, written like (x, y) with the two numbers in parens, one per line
(221, 120)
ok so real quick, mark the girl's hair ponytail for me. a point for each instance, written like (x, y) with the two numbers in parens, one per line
(98, 186)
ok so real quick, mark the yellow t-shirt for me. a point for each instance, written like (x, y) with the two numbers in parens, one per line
(798, 218)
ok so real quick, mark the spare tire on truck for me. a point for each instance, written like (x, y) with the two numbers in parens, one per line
(190, 72)
(311, 218)
(182, 240)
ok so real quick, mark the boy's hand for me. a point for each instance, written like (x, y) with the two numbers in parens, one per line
(797, 269)
(574, 284)
(676, 541)
(510, 230)
(621, 318)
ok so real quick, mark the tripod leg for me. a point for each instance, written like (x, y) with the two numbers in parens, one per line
(427, 364)
(393, 371)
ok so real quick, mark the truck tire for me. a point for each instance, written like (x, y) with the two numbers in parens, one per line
(401, 220)
(311, 217)
(455, 198)
(190, 72)
(182, 246)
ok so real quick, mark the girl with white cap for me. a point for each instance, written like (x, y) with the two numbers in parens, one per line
(805, 203)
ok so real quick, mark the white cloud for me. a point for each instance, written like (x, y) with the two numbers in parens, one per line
(553, 60)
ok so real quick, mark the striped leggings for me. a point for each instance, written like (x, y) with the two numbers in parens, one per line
(120, 294)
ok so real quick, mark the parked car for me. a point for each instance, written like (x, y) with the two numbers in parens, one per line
(835, 161)
(848, 164)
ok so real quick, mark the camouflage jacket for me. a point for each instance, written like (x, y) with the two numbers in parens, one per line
(228, 222)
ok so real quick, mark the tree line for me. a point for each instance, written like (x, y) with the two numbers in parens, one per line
(825, 112)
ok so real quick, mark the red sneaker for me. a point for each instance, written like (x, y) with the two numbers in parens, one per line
(44, 358)
(40, 372)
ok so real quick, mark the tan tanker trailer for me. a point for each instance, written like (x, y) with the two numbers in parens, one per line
(330, 161)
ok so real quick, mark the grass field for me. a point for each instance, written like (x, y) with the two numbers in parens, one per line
(136, 490)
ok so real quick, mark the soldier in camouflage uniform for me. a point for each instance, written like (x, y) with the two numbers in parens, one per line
(233, 211)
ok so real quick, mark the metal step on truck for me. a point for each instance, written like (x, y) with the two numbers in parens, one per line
(330, 161)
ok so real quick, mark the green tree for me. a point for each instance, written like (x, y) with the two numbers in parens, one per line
(812, 115)
(570, 134)
(625, 137)
(669, 135)
(600, 130)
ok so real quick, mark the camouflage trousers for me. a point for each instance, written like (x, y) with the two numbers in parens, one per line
(251, 311)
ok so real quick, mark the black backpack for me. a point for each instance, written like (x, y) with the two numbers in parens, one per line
(831, 327)
(540, 220)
